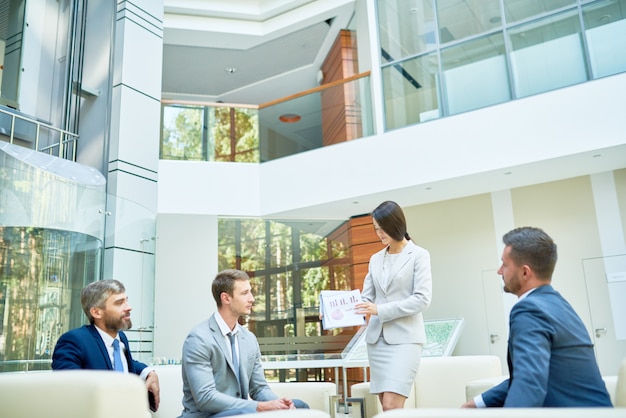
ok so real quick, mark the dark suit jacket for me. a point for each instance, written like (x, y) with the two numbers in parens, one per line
(551, 357)
(83, 348)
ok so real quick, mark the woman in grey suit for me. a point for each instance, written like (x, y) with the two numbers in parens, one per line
(396, 290)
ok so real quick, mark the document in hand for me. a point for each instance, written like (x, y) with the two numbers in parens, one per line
(337, 308)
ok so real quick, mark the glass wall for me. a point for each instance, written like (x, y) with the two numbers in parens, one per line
(289, 263)
(11, 33)
(51, 44)
(605, 34)
(444, 57)
(51, 235)
(209, 133)
(42, 272)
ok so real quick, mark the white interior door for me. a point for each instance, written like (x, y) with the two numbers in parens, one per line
(605, 278)
(497, 306)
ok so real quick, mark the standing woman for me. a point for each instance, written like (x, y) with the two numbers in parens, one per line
(396, 290)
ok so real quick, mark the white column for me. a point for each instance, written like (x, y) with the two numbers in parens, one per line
(133, 159)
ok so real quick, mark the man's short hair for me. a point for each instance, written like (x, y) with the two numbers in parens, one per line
(95, 295)
(225, 282)
(534, 248)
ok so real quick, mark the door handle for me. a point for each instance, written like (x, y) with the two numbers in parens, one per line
(494, 338)
(600, 332)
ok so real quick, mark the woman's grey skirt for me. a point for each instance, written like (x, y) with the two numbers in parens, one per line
(393, 366)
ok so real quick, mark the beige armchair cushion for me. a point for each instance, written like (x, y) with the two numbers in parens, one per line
(321, 396)
(297, 413)
(505, 413)
(620, 389)
(72, 394)
(440, 382)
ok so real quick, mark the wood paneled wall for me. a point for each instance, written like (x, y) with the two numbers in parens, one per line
(363, 243)
(341, 113)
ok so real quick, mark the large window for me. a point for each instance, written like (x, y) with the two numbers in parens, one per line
(289, 263)
(547, 54)
(475, 74)
(411, 91)
(209, 133)
(605, 24)
(444, 57)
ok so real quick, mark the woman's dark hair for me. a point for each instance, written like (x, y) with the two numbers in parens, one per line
(390, 218)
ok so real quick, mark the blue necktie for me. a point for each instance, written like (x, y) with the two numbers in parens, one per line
(117, 358)
(235, 359)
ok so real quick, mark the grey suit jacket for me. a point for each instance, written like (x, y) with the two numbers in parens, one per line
(209, 380)
(402, 300)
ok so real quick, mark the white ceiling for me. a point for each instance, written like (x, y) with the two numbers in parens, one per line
(275, 47)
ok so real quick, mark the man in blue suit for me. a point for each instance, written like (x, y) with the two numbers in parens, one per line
(550, 355)
(93, 346)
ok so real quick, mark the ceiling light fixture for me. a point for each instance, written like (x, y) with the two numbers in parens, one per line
(289, 118)
(231, 70)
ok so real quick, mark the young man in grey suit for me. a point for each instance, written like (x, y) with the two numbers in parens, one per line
(551, 358)
(223, 378)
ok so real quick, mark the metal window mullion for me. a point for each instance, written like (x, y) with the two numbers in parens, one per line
(583, 39)
(508, 50)
(443, 104)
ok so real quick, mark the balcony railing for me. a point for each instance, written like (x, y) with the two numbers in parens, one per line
(332, 113)
(29, 132)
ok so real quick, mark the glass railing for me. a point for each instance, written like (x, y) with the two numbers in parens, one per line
(329, 114)
(26, 131)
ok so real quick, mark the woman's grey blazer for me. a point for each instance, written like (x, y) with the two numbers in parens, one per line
(401, 302)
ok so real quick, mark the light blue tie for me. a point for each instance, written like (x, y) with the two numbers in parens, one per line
(235, 359)
(117, 358)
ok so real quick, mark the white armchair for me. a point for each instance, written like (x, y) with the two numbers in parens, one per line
(440, 382)
(72, 394)
(321, 396)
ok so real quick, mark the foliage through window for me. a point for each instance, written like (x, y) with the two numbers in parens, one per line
(206, 133)
(289, 263)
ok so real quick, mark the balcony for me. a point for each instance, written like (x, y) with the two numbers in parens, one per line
(27, 131)
(336, 112)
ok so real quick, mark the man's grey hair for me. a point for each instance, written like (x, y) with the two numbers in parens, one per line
(95, 295)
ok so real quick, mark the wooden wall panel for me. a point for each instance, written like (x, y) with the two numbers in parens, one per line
(363, 234)
(363, 243)
(341, 115)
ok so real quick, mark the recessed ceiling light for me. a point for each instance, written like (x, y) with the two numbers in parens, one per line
(231, 70)
(289, 118)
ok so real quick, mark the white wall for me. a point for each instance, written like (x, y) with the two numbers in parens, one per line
(185, 267)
